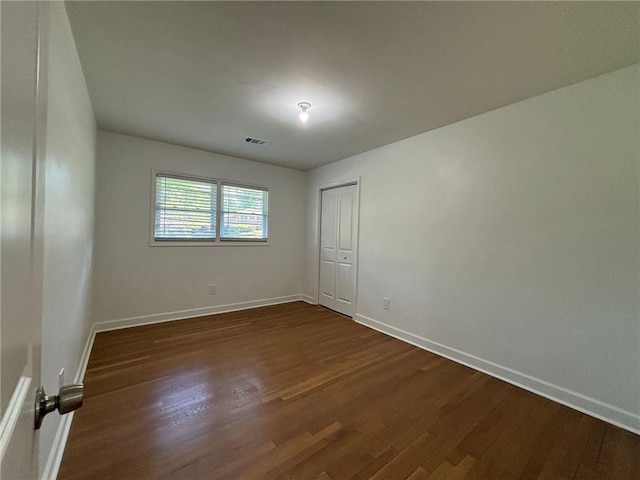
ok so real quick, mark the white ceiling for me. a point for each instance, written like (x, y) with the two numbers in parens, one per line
(207, 74)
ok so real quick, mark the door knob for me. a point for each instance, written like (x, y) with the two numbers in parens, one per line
(68, 399)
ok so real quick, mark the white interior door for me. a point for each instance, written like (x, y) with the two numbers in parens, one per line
(338, 248)
(23, 58)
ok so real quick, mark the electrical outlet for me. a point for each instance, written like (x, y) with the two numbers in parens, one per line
(61, 378)
(386, 303)
(212, 289)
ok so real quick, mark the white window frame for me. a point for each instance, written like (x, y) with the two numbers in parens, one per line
(217, 242)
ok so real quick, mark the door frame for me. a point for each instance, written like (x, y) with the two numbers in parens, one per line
(318, 257)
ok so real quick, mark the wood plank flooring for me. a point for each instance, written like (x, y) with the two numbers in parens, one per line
(298, 392)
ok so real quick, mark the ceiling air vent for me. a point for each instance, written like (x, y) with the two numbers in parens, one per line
(254, 141)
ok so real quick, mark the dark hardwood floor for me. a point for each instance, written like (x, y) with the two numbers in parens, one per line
(298, 392)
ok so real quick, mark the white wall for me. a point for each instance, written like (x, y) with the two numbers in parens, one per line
(68, 224)
(133, 279)
(510, 241)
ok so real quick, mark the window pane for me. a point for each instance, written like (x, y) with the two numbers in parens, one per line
(185, 209)
(244, 213)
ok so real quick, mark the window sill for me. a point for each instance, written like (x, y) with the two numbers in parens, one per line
(153, 243)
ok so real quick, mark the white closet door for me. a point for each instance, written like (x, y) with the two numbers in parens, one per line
(338, 244)
(328, 248)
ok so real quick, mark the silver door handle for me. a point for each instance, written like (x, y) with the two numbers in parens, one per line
(68, 399)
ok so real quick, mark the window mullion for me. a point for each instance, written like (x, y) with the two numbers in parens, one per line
(218, 208)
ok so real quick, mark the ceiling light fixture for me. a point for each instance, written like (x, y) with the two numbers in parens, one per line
(304, 106)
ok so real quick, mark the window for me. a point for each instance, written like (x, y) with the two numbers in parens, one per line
(194, 209)
(185, 209)
(244, 213)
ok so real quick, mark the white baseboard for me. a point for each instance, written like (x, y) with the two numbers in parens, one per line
(12, 413)
(309, 299)
(54, 460)
(191, 313)
(86, 353)
(591, 406)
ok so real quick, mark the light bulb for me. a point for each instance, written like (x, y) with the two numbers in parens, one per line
(304, 115)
